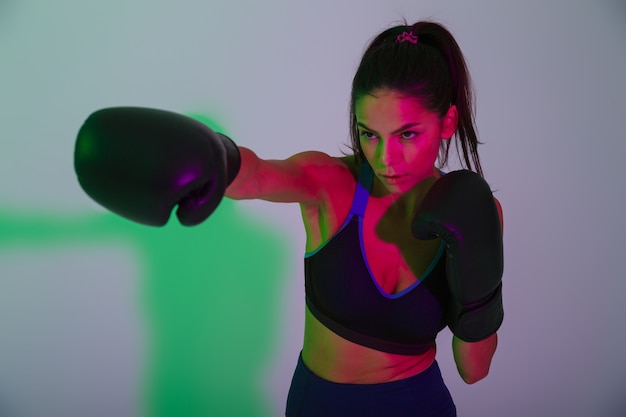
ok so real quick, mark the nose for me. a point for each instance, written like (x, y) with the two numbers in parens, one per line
(390, 152)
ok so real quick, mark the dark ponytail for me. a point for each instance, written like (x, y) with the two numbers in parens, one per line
(432, 70)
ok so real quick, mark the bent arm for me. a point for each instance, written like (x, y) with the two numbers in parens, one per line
(473, 359)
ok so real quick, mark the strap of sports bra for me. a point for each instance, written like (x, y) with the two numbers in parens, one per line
(363, 187)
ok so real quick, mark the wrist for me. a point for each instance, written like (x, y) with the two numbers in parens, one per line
(233, 158)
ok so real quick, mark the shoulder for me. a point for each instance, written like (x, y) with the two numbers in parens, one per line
(317, 159)
(323, 164)
(329, 178)
(322, 168)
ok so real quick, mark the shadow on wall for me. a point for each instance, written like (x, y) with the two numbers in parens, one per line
(208, 295)
(619, 6)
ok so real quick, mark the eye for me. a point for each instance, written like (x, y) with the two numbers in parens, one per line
(408, 135)
(365, 135)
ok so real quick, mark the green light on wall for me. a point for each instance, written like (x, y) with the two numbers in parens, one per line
(208, 298)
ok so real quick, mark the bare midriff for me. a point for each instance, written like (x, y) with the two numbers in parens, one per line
(336, 359)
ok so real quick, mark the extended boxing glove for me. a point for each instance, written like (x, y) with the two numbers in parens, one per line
(141, 163)
(460, 209)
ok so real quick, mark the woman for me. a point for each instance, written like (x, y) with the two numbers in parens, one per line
(410, 96)
(396, 250)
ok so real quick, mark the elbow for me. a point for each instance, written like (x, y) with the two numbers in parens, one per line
(473, 377)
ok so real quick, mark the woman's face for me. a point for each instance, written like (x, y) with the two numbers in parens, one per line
(400, 138)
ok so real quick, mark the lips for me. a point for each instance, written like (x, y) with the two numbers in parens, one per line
(392, 179)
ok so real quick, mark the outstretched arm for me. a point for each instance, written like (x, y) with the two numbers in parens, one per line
(302, 178)
(142, 163)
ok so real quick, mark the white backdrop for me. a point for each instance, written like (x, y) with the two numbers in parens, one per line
(549, 78)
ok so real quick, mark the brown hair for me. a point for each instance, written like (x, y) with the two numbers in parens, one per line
(432, 70)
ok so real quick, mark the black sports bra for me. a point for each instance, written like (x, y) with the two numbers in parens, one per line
(342, 293)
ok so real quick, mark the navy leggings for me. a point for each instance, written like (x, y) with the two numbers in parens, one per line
(422, 395)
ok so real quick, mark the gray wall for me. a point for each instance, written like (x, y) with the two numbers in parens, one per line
(275, 75)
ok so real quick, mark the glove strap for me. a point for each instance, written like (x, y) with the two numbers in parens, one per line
(479, 321)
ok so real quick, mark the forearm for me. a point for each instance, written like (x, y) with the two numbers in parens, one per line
(245, 184)
(473, 359)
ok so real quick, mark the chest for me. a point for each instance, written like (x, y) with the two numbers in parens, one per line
(395, 258)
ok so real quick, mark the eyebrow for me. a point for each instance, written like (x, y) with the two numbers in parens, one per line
(395, 132)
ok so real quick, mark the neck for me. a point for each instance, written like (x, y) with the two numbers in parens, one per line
(403, 204)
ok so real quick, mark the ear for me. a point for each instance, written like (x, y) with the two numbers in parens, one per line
(449, 123)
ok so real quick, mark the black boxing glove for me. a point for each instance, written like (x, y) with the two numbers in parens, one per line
(140, 163)
(460, 209)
